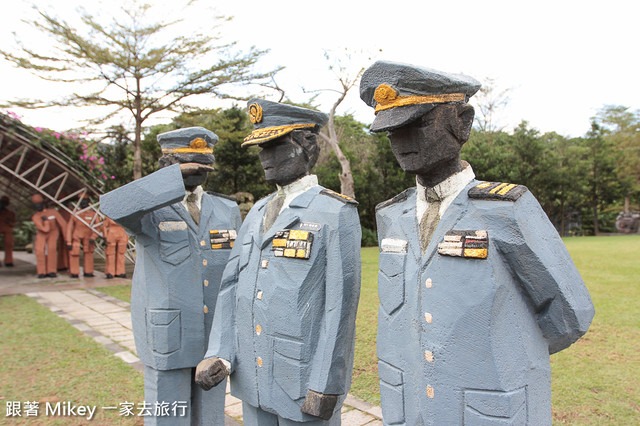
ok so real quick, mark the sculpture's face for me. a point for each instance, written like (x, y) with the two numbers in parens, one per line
(283, 160)
(193, 178)
(84, 203)
(38, 206)
(429, 142)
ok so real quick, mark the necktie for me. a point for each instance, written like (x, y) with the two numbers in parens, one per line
(429, 220)
(192, 208)
(273, 210)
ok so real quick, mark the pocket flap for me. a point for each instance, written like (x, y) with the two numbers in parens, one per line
(163, 316)
(495, 403)
(391, 264)
(389, 374)
(289, 348)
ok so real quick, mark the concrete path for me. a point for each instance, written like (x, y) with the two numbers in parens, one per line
(108, 321)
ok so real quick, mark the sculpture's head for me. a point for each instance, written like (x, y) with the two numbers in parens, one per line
(288, 137)
(192, 148)
(425, 112)
(84, 201)
(37, 202)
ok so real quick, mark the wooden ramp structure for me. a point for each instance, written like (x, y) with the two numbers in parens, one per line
(30, 165)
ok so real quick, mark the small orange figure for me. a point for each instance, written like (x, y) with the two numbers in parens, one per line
(63, 252)
(7, 222)
(77, 233)
(48, 223)
(116, 239)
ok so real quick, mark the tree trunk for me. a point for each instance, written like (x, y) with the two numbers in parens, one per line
(626, 204)
(347, 186)
(137, 142)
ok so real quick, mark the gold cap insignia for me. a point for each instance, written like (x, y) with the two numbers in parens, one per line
(255, 113)
(387, 97)
(197, 146)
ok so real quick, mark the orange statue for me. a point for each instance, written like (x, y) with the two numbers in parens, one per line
(79, 233)
(48, 223)
(7, 222)
(116, 240)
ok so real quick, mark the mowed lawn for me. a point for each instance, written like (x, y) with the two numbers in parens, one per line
(595, 381)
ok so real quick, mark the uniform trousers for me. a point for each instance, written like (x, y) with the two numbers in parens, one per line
(204, 408)
(74, 256)
(114, 253)
(252, 416)
(8, 246)
(46, 246)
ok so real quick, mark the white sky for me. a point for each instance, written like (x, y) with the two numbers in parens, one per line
(562, 59)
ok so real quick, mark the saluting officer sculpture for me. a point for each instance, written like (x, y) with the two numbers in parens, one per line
(285, 319)
(183, 242)
(476, 287)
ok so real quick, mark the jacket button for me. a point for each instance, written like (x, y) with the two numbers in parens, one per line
(265, 264)
(428, 283)
(259, 362)
(202, 243)
(206, 310)
(206, 283)
(428, 355)
(259, 295)
(429, 391)
(204, 262)
(427, 317)
(258, 330)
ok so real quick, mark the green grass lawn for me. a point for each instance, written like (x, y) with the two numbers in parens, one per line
(595, 381)
(45, 359)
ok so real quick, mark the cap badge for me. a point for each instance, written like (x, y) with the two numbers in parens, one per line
(385, 94)
(198, 143)
(255, 113)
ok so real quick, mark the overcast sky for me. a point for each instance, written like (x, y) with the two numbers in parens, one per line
(562, 60)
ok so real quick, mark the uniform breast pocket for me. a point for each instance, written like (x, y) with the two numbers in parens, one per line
(164, 330)
(391, 393)
(174, 242)
(391, 281)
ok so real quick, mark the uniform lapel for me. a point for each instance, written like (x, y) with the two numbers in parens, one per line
(409, 225)
(207, 207)
(184, 215)
(289, 216)
(452, 215)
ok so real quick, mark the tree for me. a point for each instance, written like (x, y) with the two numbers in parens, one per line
(488, 101)
(623, 130)
(129, 66)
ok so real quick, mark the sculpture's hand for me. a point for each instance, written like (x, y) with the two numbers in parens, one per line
(210, 372)
(69, 246)
(92, 242)
(319, 405)
(45, 217)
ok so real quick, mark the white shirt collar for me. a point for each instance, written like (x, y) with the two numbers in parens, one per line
(295, 188)
(446, 191)
(198, 191)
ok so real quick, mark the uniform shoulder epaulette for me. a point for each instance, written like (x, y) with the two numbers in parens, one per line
(338, 196)
(397, 199)
(217, 194)
(498, 191)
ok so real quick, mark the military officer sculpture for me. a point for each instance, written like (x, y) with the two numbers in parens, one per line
(285, 318)
(476, 287)
(182, 244)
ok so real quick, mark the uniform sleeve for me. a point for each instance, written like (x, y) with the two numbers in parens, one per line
(539, 260)
(41, 224)
(334, 356)
(61, 222)
(129, 204)
(68, 229)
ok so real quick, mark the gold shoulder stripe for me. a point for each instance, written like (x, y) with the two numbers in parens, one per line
(497, 191)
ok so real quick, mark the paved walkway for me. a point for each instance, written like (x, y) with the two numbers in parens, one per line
(108, 321)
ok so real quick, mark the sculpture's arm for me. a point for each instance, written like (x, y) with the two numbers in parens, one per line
(541, 263)
(334, 355)
(128, 204)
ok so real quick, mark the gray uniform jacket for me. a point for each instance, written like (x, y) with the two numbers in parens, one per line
(177, 274)
(287, 324)
(466, 340)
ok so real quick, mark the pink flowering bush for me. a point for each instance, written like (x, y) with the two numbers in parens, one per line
(77, 148)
